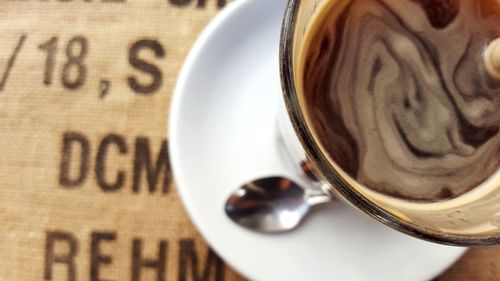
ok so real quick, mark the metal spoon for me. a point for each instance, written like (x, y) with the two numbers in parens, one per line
(273, 205)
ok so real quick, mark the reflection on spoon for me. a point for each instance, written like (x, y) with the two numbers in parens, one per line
(272, 205)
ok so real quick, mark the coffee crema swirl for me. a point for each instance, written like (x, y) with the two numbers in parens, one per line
(398, 95)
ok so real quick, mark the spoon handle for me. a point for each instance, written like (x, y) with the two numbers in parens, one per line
(315, 200)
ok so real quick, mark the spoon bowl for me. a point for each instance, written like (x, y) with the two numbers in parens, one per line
(271, 205)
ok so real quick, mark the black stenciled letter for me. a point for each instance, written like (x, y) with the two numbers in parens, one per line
(100, 167)
(68, 258)
(180, 3)
(71, 140)
(200, 4)
(220, 3)
(160, 264)
(142, 161)
(142, 65)
(188, 256)
(96, 257)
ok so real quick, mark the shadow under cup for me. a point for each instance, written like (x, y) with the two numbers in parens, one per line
(472, 218)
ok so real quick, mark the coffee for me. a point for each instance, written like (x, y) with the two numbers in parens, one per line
(401, 95)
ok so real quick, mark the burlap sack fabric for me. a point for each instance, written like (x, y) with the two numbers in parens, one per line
(86, 191)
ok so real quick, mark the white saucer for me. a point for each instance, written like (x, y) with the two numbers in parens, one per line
(222, 133)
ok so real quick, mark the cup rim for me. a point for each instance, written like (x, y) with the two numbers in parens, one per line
(320, 160)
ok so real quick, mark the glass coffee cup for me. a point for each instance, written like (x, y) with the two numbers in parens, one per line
(421, 85)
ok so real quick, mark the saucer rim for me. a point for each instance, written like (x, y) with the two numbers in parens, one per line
(174, 124)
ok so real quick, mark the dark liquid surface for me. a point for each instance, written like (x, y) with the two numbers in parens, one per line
(398, 96)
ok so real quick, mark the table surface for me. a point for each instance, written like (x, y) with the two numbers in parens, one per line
(86, 189)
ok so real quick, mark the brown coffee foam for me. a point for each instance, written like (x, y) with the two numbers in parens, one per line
(43, 215)
(398, 107)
